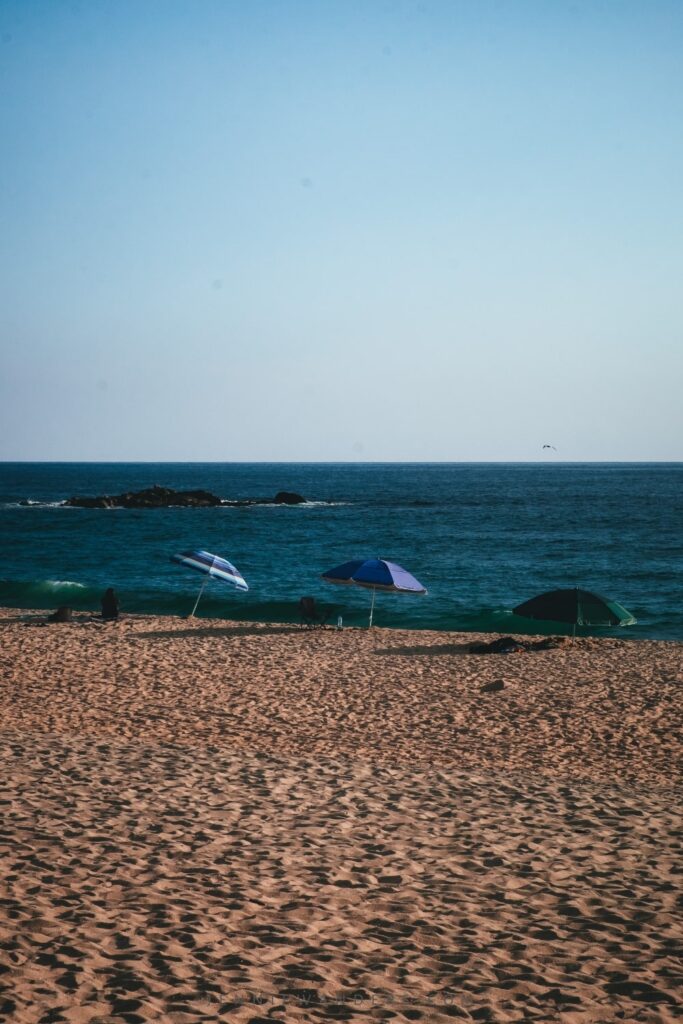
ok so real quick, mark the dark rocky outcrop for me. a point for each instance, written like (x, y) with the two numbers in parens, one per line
(166, 497)
(281, 498)
(152, 497)
(288, 498)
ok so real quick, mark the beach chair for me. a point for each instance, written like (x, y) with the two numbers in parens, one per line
(311, 614)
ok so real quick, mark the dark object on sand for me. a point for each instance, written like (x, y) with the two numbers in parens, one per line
(576, 607)
(311, 613)
(503, 645)
(110, 604)
(508, 645)
(494, 687)
(63, 614)
(549, 644)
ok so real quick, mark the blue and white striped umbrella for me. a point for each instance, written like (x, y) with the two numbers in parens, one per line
(212, 566)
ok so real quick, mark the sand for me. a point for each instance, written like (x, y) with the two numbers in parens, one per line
(207, 821)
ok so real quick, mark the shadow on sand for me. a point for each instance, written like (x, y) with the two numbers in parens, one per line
(427, 649)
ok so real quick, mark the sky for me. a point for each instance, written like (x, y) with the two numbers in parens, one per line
(341, 231)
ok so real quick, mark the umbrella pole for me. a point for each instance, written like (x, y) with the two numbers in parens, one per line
(372, 608)
(201, 591)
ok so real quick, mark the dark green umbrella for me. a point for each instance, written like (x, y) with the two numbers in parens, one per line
(576, 607)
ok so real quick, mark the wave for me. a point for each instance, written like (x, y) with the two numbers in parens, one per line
(50, 594)
(46, 593)
(60, 584)
(301, 504)
(30, 503)
(318, 504)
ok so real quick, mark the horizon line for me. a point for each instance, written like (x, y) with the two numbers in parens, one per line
(340, 462)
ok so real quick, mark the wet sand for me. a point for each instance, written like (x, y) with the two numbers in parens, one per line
(210, 821)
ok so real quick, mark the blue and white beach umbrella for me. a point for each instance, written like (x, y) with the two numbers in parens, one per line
(375, 574)
(213, 567)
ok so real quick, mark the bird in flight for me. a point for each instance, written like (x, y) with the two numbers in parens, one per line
(550, 446)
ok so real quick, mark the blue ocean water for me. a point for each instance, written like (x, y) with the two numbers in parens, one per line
(481, 537)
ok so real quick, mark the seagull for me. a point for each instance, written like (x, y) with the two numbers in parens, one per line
(550, 446)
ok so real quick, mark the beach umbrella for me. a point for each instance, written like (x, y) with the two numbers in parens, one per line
(576, 607)
(375, 574)
(212, 567)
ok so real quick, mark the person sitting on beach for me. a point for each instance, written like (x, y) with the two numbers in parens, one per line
(110, 604)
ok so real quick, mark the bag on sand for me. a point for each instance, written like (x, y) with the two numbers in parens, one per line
(63, 614)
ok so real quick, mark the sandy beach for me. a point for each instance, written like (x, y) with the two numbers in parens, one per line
(205, 820)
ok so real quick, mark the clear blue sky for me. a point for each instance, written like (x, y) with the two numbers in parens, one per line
(341, 230)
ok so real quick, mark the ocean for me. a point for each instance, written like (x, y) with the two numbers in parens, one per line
(482, 537)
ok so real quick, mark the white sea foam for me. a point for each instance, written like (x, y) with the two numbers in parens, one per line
(54, 584)
(30, 503)
(283, 504)
(329, 504)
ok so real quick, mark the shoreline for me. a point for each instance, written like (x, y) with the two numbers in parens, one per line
(478, 635)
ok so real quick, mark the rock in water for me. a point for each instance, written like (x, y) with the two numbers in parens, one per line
(288, 498)
(166, 497)
(152, 497)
